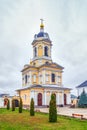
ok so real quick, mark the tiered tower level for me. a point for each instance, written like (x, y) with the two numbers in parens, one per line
(41, 47)
(42, 70)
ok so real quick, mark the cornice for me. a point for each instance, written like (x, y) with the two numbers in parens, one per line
(41, 40)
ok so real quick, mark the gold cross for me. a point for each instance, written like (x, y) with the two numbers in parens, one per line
(41, 21)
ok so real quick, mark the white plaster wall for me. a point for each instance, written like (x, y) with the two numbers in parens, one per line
(30, 78)
(43, 81)
(32, 95)
(62, 98)
(68, 98)
(1, 102)
(48, 99)
(43, 103)
(57, 98)
(45, 98)
(35, 95)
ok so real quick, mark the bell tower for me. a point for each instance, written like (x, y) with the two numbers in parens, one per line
(41, 47)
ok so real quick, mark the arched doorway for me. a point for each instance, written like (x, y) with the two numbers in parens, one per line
(5, 101)
(16, 103)
(39, 99)
(65, 97)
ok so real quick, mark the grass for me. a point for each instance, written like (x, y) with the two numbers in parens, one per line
(23, 121)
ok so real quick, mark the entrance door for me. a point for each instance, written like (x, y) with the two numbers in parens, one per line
(64, 99)
(16, 103)
(5, 101)
(39, 99)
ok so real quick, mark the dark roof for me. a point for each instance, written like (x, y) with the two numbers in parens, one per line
(29, 66)
(3, 94)
(40, 34)
(53, 65)
(84, 84)
(47, 87)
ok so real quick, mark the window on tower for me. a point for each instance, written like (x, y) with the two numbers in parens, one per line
(25, 96)
(41, 79)
(47, 77)
(34, 77)
(47, 62)
(46, 51)
(25, 79)
(59, 78)
(35, 52)
(53, 77)
(34, 63)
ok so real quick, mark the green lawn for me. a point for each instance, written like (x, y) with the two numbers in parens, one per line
(22, 121)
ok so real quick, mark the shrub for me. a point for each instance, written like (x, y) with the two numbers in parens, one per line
(52, 109)
(8, 105)
(20, 105)
(13, 105)
(32, 113)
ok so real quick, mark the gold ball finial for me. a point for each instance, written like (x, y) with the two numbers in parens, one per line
(41, 25)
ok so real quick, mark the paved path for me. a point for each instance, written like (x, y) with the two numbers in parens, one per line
(67, 111)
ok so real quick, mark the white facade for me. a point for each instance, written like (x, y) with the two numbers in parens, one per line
(46, 96)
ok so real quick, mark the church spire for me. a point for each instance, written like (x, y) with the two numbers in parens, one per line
(41, 26)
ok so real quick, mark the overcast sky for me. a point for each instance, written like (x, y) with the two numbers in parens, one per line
(66, 23)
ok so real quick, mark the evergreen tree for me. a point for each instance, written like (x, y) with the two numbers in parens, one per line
(82, 100)
(8, 105)
(52, 109)
(20, 105)
(32, 113)
(13, 105)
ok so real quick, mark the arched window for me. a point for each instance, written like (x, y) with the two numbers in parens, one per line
(34, 63)
(35, 51)
(25, 78)
(46, 51)
(34, 77)
(46, 62)
(25, 96)
(41, 79)
(53, 77)
(47, 77)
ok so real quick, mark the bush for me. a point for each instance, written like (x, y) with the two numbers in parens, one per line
(52, 109)
(20, 105)
(8, 105)
(13, 105)
(32, 113)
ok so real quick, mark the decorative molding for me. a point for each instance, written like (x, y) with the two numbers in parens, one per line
(42, 57)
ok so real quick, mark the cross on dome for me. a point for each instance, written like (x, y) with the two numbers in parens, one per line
(41, 21)
(42, 34)
(42, 26)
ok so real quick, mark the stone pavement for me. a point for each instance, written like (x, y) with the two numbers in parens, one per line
(67, 111)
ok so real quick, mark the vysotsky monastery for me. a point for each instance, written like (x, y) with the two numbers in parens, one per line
(42, 77)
